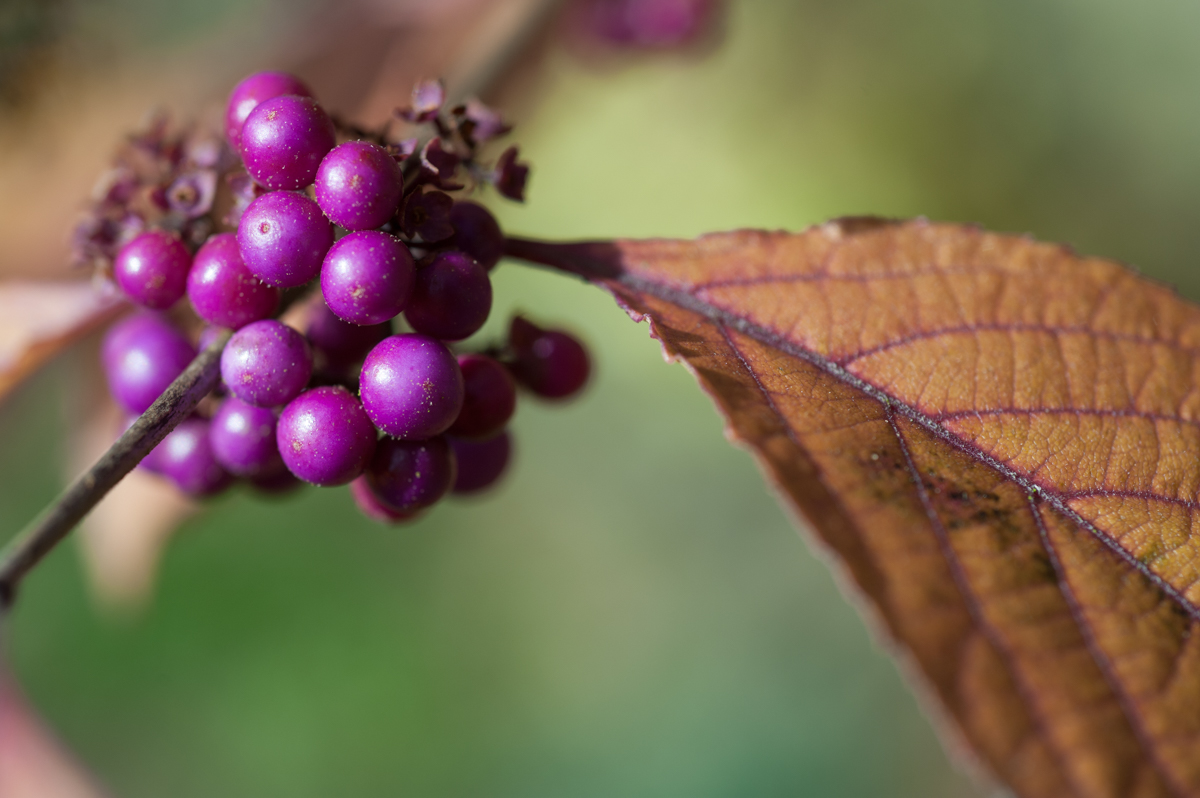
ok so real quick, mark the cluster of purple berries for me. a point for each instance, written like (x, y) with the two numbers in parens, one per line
(400, 417)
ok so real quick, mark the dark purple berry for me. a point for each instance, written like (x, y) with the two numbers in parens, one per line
(551, 363)
(185, 456)
(152, 269)
(359, 185)
(276, 482)
(243, 438)
(489, 397)
(223, 291)
(283, 238)
(341, 343)
(266, 363)
(411, 475)
(477, 233)
(367, 277)
(325, 437)
(142, 355)
(452, 297)
(411, 386)
(284, 140)
(372, 507)
(247, 95)
(480, 462)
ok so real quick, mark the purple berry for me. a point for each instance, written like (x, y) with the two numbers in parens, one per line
(257, 88)
(325, 437)
(266, 363)
(185, 456)
(223, 291)
(142, 355)
(359, 185)
(489, 400)
(339, 342)
(477, 233)
(276, 482)
(411, 475)
(367, 277)
(243, 438)
(372, 507)
(152, 269)
(452, 297)
(284, 140)
(411, 386)
(551, 363)
(283, 237)
(480, 463)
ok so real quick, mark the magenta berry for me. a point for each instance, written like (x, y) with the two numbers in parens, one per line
(551, 363)
(185, 456)
(243, 438)
(477, 233)
(255, 89)
(152, 269)
(489, 397)
(324, 436)
(142, 355)
(411, 386)
(266, 363)
(276, 482)
(367, 277)
(341, 343)
(452, 297)
(359, 185)
(284, 140)
(480, 462)
(411, 475)
(283, 238)
(223, 291)
(373, 507)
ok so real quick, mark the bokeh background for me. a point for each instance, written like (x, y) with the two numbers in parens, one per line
(632, 613)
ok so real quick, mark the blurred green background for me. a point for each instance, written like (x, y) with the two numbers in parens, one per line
(632, 614)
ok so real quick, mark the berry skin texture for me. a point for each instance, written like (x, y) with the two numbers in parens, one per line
(359, 185)
(452, 297)
(243, 439)
(408, 476)
(255, 89)
(266, 363)
(367, 277)
(372, 507)
(223, 291)
(411, 387)
(283, 238)
(480, 462)
(142, 355)
(185, 457)
(152, 269)
(341, 343)
(324, 436)
(283, 141)
(551, 363)
(477, 233)
(489, 399)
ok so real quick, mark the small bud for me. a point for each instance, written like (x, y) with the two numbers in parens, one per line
(510, 175)
(427, 214)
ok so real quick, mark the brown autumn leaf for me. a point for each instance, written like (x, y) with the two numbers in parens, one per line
(1000, 442)
(38, 320)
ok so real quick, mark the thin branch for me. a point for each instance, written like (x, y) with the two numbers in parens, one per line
(56, 521)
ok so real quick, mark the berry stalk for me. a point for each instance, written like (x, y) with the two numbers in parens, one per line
(77, 500)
